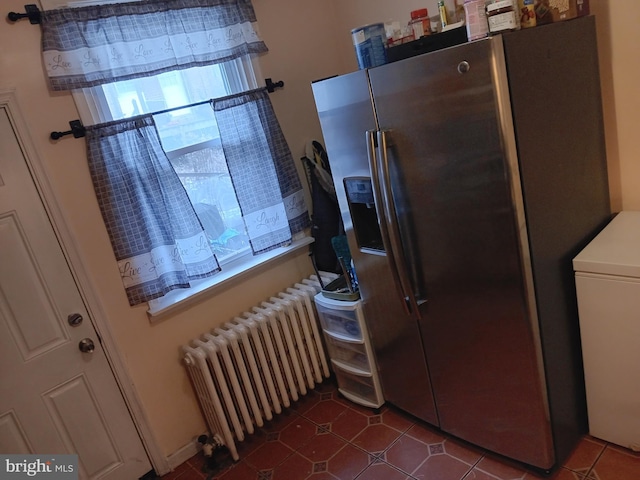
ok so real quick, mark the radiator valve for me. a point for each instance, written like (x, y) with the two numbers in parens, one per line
(208, 443)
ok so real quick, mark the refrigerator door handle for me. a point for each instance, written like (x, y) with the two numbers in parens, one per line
(372, 148)
(389, 226)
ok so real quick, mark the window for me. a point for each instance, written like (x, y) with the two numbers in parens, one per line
(172, 153)
(189, 137)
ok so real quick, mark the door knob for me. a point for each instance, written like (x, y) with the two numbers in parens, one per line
(86, 345)
(74, 319)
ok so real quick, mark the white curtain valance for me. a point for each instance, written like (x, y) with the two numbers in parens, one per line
(89, 46)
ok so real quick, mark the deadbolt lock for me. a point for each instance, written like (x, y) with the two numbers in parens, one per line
(74, 319)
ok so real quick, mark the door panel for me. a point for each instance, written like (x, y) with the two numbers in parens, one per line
(34, 326)
(12, 436)
(53, 397)
(71, 402)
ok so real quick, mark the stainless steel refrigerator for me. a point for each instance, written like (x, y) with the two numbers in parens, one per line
(468, 178)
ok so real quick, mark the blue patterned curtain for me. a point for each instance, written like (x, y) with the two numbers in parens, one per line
(262, 169)
(156, 236)
(92, 45)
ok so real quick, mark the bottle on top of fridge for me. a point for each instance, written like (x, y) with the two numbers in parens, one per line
(442, 9)
(476, 19)
(420, 23)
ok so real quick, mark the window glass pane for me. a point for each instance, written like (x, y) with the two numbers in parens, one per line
(190, 138)
(167, 90)
(206, 178)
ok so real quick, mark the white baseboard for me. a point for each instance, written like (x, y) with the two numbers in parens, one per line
(183, 454)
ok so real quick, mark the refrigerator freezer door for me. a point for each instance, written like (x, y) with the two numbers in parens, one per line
(346, 115)
(453, 193)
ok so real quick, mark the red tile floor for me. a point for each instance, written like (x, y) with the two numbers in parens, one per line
(325, 437)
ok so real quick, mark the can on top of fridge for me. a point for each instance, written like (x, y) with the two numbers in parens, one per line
(527, 13)
(369, 42)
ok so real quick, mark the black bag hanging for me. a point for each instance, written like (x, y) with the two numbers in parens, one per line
(326, 221)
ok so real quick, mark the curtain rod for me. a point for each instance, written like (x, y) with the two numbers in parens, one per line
(78, 130)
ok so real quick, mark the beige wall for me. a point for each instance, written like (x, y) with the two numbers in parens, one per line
(619, 37)
(308, 40)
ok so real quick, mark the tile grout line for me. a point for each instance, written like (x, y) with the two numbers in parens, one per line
(467, 475)
(593, 465)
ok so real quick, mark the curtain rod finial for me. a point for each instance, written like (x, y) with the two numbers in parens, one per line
(271, 85)
(77, 130)
(32, 13)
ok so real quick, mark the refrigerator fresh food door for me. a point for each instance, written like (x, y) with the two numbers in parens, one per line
(346, 115)
(455, 202)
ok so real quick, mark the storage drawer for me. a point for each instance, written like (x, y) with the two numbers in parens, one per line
(342, 322)
(349, 353)
(349, 347)
(356, 385)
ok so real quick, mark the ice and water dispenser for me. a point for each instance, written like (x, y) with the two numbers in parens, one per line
(363, 212)
(364, 218)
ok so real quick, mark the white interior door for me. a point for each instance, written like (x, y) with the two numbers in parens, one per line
(54, 398)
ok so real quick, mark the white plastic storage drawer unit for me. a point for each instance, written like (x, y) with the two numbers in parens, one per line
(607, 274)
(347, 340)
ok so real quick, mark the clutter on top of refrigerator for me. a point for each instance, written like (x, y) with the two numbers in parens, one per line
(421, 24)
(381, 43)
(483, 17)
(430, 43)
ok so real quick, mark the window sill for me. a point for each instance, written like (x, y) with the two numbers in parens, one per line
(230, 274)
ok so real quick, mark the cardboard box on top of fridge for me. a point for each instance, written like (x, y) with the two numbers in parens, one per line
(549, 11)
